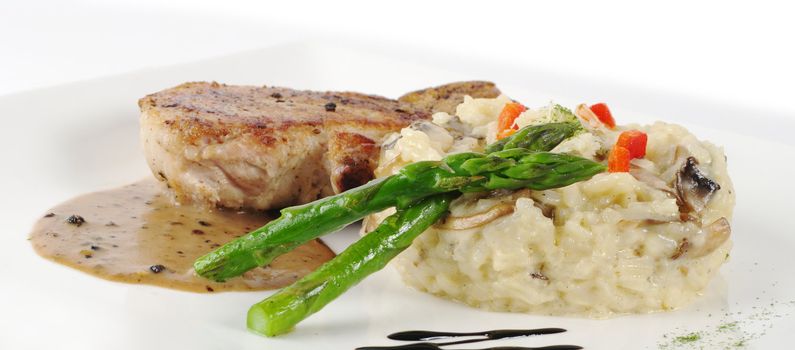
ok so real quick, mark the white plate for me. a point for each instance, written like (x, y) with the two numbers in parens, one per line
(62, 141)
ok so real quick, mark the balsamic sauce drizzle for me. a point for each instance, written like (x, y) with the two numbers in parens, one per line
(424, 336)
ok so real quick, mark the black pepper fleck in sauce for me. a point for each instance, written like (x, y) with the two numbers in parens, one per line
(470, 337)
(330, 107)
(76, 220)
(121, 250)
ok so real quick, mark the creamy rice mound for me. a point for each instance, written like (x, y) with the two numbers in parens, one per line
(618, 243)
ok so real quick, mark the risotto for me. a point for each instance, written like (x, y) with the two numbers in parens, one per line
(636, 241)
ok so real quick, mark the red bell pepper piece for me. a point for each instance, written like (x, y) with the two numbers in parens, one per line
(635, 141)
(505, 123)
(618, 161)
(604, 115)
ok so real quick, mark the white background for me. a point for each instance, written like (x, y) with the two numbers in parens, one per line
(739, 53)
(719, 54)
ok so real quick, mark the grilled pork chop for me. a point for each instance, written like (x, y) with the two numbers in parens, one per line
(267, 147)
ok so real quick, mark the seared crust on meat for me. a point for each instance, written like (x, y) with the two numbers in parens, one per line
(216, 111)
(269, 147)
(352, 159)
(446, 97)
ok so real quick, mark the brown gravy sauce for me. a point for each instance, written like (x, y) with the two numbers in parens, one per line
(135, 234)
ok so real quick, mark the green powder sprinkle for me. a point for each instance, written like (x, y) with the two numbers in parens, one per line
(733, 330)
(695, 336)
(728, 326)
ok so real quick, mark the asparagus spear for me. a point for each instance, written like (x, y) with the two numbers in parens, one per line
(506, 167)
(280, 312)
(466, 171)
(542, 137)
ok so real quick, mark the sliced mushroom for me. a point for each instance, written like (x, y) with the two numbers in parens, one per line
(476, 220)
(693, 188)
(504, 193)
(458, 128)
(497, 211)
(716, 233)
(438, 136)
(546, 209)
